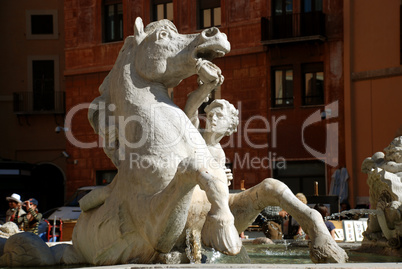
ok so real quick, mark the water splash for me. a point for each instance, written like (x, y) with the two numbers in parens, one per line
(286, 252)
(193, 249)
(360, 211)
(286, 244)
(214, 257)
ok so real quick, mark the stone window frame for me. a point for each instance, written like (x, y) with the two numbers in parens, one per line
(28, 19)
(56, 61)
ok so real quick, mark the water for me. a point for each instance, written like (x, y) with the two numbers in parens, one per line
(193, 249)
(281, 254)
(287, 253)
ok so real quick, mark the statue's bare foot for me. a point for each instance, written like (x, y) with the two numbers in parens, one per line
(220, 233)
(323, 246)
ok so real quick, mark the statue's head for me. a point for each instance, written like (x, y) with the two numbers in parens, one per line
(222, 117)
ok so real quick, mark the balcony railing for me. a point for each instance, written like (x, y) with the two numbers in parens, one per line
(293, 26)
(39, 103)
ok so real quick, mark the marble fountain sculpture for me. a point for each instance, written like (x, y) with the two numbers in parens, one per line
(168, 183)
(385, 181)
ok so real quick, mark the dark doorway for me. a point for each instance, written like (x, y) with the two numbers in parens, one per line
(300, 176)
(49, 187)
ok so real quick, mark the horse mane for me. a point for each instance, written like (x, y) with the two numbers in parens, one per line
(103, 106)
(118, 79)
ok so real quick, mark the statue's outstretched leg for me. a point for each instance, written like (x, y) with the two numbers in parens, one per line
(246, 206)
(172, 204)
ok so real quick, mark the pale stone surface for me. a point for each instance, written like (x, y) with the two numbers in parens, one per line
(26, 249)
(385, 182)
(8, 229)
(168, 183)
(221, 120)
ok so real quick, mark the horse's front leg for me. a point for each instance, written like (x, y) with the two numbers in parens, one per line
(246, 206)
(219, 230)
(170, 209)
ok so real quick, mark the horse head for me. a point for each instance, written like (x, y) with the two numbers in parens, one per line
(155, 57)
(165, 56)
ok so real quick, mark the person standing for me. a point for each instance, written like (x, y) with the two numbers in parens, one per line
(32, 218)
(324, 213)
(300, 234)
(14, 211)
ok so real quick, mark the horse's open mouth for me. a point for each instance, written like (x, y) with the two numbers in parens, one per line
(212, 45)
(208, 54)
(206, 70)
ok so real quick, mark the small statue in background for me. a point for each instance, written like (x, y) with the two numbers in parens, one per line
(385, 181)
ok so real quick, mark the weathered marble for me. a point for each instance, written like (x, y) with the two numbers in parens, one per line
(8, 229)
(385, 182)
(26, 249)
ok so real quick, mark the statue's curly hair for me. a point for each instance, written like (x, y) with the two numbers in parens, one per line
(230, 110)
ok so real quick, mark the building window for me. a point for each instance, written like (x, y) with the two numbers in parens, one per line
(171, 93)
(105, 177)
(209, 13)
(311, 5)
(282, 7)
(162, 9)
(282, 18)
(313, 84)
(43, 85)
(202, 116)
(113, 20)
(282, 85)
(41, 24)
(43, 95)
(215, 94)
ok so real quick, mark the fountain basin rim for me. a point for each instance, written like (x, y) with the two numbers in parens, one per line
(248, 266)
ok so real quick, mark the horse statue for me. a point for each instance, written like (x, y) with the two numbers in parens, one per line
(168, 184)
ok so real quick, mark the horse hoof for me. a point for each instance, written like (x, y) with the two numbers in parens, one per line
(220, 234)
(320, 252)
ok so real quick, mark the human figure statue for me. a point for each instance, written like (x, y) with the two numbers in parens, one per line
(221, 120)
(391, 161)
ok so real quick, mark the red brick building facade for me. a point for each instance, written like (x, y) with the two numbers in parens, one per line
(284, 74)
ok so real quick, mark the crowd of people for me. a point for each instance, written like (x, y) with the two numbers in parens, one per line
(276, 223)
(24, 214)
(27, 217)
